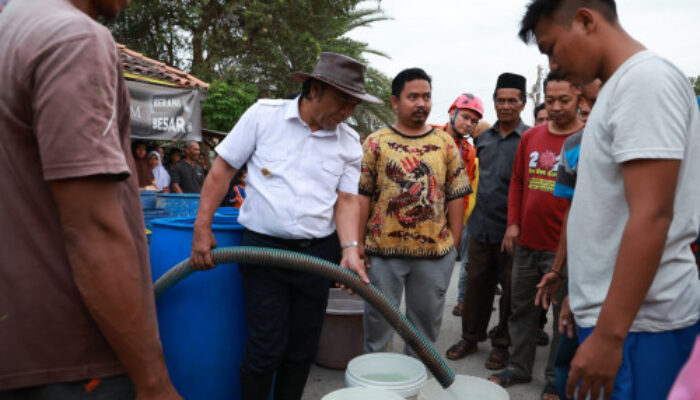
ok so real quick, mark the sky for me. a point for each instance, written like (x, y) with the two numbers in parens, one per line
(465, 44)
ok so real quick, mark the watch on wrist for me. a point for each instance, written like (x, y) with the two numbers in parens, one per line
(349, 244)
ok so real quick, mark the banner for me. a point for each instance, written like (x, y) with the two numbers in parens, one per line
(164, 113)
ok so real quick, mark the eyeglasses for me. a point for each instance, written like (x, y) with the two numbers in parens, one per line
(510, 102)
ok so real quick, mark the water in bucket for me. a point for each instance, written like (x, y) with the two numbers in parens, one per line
(357, 393)
(463, 388)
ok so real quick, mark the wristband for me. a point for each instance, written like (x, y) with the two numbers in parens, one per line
(349, 244)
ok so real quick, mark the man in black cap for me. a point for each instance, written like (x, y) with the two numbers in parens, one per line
(303, 174)
(489, 262)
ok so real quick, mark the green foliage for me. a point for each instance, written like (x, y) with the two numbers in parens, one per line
(248, 43)
(370, 117)
(695, 81)
(226, 103)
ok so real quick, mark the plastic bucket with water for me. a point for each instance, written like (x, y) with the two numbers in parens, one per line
(360, 393)
(342, 335)
(393, 372)
(178, 204)
(202, 319)
(463, 388)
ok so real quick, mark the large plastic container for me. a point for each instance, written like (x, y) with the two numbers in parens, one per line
(149, 215)
(148, 199)
(342, 335)
(360, 393)
(178, 204)
(227, 212)
(464, 388)
(394, 372)
(202, 319)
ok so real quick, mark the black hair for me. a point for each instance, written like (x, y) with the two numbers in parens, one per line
(537, 110)
(306, 88)
(408, 75)
(238, 178)
(553, 76)
(153, 146)
(136, 143)
(174, 150)
(548, 8)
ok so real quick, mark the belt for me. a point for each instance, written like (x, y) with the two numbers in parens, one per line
(292, 243)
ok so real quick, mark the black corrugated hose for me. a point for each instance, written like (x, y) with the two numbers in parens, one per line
(334, 272)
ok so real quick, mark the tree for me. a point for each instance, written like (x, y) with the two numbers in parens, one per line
(370, 117)
(226, 103)
(250, 43)
(695, 81)
(535, 93)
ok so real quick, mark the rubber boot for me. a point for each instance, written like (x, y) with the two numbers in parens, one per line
(256, 385)
(290, 381)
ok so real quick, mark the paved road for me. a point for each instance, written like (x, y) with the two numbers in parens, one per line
(323, 381)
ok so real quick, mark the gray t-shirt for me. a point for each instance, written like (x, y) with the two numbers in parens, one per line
(189, 177)
(646, 110)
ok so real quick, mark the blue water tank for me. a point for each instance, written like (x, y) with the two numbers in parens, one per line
(178, 204)
(148, 199)
(227, 212)
(202, 319)
(149, 215)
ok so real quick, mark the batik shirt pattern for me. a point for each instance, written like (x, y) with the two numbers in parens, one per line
(409, 180)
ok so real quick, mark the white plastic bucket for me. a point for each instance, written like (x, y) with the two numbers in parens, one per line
(463, 388)
(393, 372)
(360, 393)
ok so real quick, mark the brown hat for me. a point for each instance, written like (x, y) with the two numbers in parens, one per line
(343, 73)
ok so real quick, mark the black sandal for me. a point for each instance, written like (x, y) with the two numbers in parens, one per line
(461, 349)
(541, 338)
(508, 378)
(498, 359)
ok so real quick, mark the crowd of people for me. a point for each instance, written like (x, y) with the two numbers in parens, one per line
(591, 211)
(172, 173)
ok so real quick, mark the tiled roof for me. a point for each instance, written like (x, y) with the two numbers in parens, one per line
(137, 65)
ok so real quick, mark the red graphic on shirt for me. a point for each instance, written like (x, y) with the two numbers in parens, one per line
(547, 160)
(375, 226)
(373, 145)
(418, 191)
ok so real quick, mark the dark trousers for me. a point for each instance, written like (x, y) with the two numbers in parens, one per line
(528, 268)
(284, 313)
(487, 267)
(113, 388)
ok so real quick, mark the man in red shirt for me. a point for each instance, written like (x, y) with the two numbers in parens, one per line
(534, 225)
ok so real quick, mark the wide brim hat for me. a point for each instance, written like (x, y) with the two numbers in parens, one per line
(343, 73)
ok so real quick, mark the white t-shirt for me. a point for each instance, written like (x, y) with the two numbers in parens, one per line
(293, 174)
(646, 110)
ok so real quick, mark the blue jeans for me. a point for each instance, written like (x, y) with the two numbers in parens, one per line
(562, 362)
(650, 362)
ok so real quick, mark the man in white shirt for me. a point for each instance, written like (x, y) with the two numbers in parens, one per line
(633, 283)
(303, 172)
